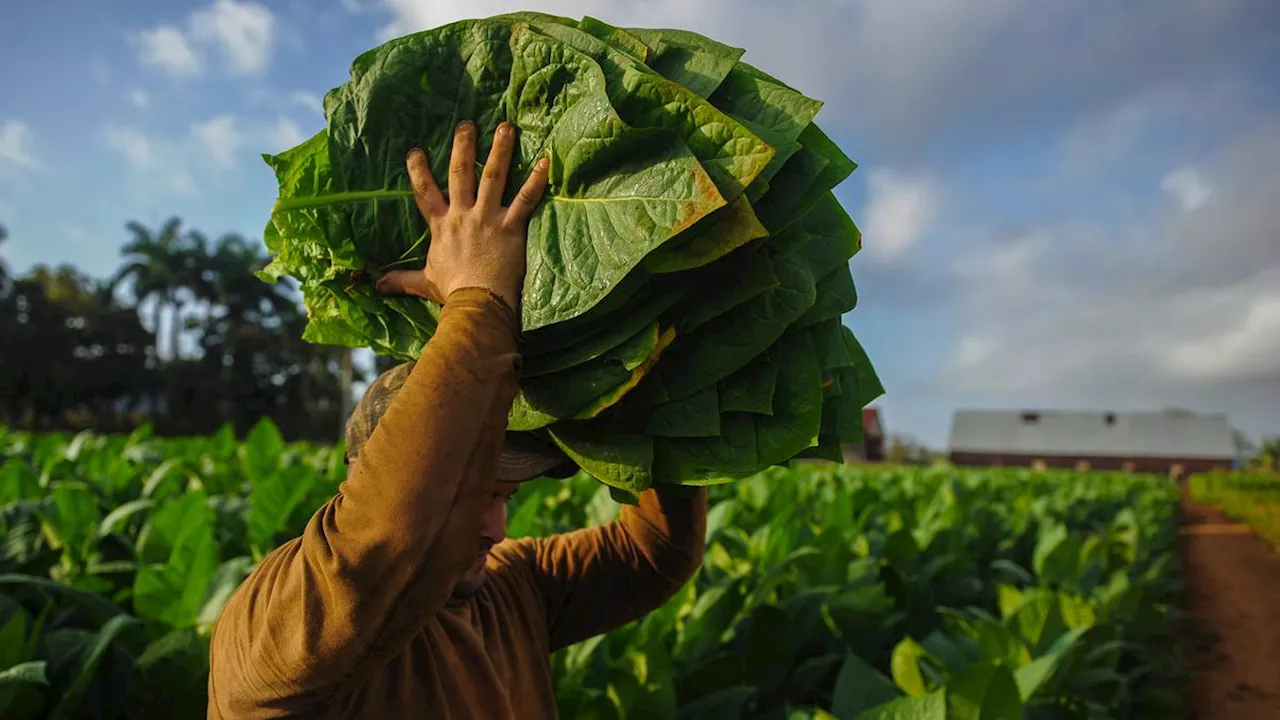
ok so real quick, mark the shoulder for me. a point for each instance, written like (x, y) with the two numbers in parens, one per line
(513, 574)
(514, 556)
(515, 562)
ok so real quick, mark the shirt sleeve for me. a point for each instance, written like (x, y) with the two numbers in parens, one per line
(596, 579)
(386, 551)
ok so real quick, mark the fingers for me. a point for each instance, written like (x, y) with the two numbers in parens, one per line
(496, 169)
(407, 282)
(462, 166)
(530, 195)
(431, 202)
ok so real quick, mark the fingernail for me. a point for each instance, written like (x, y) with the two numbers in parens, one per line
(505, 129)
(465, 125)
(543, 163)
(412, 152)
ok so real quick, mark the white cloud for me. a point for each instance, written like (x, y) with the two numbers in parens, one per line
(1173, 306)
(1187, 186)
(286, 134)
(165, 47)
(310, 101)
(242, 31)
(899, 211)
(1245, 339)
(157, 164)
(139, 98)
(133, 145)
(219, 140)
(15, 147)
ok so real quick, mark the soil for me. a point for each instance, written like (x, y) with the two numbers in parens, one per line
(1232, 644)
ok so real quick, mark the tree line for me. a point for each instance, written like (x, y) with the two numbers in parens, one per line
(183, 335)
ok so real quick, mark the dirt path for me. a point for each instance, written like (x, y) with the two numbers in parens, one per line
(1232, 581)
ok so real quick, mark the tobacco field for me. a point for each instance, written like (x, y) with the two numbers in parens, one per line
(1253, 496)
(826, 591)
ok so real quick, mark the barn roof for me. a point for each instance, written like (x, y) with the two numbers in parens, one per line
(871, 422)
(1168, 434)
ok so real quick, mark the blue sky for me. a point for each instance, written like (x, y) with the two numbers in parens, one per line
(1063, 204)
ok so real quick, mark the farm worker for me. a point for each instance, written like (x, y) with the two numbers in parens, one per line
(403, 598)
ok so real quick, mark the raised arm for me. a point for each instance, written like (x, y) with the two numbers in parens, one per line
(384, 554)
(596, 579)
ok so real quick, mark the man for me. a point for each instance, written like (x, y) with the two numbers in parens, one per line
(402, 598)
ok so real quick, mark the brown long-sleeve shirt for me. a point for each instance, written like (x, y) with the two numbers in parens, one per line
(354, 618)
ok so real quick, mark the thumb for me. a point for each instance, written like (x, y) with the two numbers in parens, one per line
(407, 282)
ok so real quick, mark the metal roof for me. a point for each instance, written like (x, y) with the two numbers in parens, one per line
(871, 422)
(1174, 434)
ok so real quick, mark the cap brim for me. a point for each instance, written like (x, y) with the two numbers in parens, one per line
(518, 466)
(524, 458)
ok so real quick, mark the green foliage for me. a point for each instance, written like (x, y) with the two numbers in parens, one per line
(688, 246)
(77, 356)
(1251, 495)
(825, 592)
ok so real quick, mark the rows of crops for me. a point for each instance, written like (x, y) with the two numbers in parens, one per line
(1252, 496)
(825, 592)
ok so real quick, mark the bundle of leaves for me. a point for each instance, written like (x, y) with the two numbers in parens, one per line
(688, 267)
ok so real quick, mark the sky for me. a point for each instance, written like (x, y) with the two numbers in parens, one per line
(1070, 205)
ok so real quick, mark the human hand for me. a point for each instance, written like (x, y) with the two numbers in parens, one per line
(475, 241)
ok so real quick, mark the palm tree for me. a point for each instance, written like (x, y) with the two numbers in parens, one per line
(158, 265)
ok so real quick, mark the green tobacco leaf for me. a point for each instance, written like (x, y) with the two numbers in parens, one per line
(926, 707)
(838, 166)
(308, 230)
(748, 442)
(118, 517)
(905, 663)
(611, 202)
(639, 178)
(224, 582)
(272, 500)
(868, 383)
(592, 345)
(624, 461)
(984, 691)
(182, 555)
(1035, 674)
(617, 37)
(741, 276)
(695, 416)
(730, 341)
(713, 237)
(836, 296)
(833, 353)
(833, 237)
(689, 59)
(30, 672)
(586, 390)
(261, 452)
(97, 608)
(1038, 619)
(784, 200)
(69, 699)
(731, 154)
(71, 522)
(751, 388)
(859, 687)
(774, 112)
